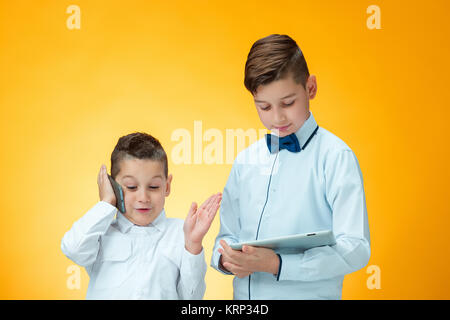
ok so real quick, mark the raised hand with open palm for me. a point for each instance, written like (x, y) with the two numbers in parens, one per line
(198, 221)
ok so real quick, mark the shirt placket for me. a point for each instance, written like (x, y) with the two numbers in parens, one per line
(145, 246)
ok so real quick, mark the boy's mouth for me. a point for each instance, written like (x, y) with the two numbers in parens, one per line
(143, 210)
(281, 129)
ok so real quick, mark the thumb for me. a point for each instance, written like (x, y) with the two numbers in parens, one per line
(193, 209)
(248, 249)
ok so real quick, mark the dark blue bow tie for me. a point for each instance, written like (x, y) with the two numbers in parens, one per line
(289, 142)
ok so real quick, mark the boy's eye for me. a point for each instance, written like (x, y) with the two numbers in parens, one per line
(288, 103)
(264, 108)
(134, 187)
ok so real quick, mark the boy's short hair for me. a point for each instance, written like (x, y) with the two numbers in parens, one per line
(273, 58)
(137, 145)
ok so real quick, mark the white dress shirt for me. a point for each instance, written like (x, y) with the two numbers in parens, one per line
(285, 193)
(126, 261)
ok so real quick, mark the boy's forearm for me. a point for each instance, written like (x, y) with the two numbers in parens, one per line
(192, 276)
(80, 243)
(347, 256)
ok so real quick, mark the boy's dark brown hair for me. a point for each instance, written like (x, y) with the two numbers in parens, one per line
(140, 146)
(273, 58)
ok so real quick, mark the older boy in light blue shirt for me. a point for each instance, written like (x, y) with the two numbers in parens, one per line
(299, 179)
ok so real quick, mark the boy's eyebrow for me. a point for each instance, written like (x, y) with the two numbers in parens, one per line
(129, 176)
(288, 96)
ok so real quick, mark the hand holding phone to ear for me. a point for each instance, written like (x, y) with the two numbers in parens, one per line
(105, 188)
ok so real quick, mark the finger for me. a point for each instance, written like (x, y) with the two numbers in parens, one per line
(211, 202)
(214, 201)
(106, 181)
(99, 175)
(212, 210)
(224, 244)
(104, 173)
(216, 207)
(191, 216)
(192, 210)
(235, 269)
(206, 203)
(218, 197)
(212, 214)
(235, 255)
(227, 258)
(248, 249)
(223, 252)
(228, 252)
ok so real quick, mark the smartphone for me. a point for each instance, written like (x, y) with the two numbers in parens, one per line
(120, 202)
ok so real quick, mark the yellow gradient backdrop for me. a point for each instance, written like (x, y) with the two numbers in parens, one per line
(66, 96)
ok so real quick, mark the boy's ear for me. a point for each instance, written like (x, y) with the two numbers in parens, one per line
(168, 182)
(311, 86)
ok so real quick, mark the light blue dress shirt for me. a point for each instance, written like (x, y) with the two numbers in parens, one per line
(284, 193)
(126, 261)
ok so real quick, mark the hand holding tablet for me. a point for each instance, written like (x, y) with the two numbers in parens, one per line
(295, 243)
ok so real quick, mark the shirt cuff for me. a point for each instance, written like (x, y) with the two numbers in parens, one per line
(279, 267)
(103, 208)
(291, 266)
(221, 268)
(97, 219)
(193, 265)
(104, 204)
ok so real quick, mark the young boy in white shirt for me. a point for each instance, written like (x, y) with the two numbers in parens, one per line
(140, 254)
(304, 179)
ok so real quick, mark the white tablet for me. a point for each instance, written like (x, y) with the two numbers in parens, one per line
(297, 242)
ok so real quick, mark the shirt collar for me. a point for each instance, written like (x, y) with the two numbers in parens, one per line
(306, 130)
(125, 225)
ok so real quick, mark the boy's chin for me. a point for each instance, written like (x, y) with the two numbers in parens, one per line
(140, 219)
(285, 133)
(281, 133)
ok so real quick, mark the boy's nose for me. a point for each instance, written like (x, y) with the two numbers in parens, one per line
(143, 196)
(279, 116)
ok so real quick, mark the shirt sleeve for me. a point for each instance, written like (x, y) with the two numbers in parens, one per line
(81, 243)
(192, 284)
(229, 217)
(345, 195)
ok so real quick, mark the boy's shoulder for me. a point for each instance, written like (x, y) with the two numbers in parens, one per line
(329, 142)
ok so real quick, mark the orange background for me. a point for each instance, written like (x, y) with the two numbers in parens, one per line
(66, 96)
